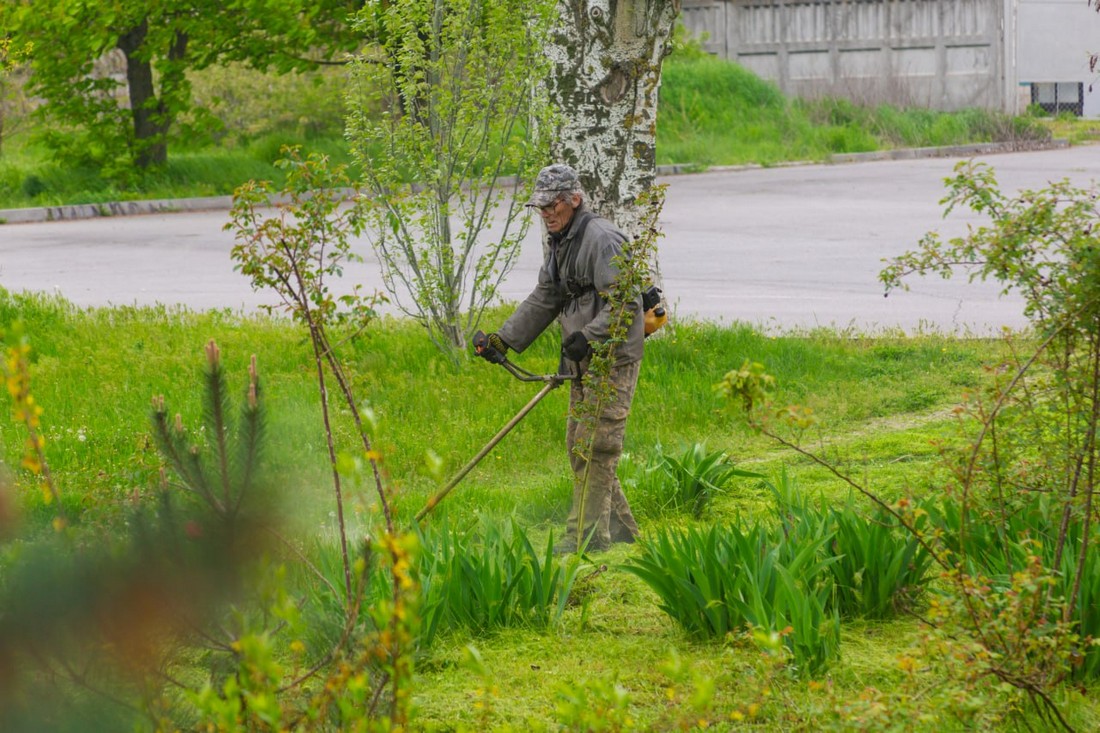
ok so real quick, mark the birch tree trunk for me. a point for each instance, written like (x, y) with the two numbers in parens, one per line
(607, 57)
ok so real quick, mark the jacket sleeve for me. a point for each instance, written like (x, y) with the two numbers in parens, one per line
(533, 315)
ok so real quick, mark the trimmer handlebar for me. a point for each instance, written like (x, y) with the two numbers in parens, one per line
(486, 351)
(525, 376)
(550, 383)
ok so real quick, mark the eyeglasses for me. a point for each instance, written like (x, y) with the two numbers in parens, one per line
(548, 209)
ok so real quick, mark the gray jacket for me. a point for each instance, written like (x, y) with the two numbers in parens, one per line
(585, 272)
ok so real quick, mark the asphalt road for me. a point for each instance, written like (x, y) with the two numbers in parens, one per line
(795, 247)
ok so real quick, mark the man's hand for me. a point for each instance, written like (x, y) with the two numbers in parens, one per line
(491, 348)
(575, 346)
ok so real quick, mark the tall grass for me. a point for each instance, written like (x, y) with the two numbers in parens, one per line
(893, 126)
(490, 576)
(880, 570)
(792, 580)
(475, 577)
(713, 112)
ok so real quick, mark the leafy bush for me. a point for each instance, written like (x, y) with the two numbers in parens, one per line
(696, 476)
(243, 103)
(1015, 535)
(1024, 498)
(715, 582)
(1000, 550)
(489, 577)
(879, 570)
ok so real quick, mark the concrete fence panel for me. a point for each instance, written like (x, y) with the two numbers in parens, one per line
(943, 54)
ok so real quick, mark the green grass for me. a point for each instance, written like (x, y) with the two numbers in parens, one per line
(882, 400)
(1074, 129)
(713, 112)
(28, 177)
(96, 371)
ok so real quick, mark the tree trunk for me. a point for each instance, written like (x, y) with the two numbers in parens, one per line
(150, 146)
(607, 57)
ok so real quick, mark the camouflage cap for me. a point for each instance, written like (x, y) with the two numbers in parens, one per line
(553, 181)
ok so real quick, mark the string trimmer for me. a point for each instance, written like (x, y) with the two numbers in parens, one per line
(550, 382)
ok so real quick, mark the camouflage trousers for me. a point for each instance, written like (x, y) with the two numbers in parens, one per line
(607, 516)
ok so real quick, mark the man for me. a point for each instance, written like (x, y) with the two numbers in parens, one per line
(578, 273)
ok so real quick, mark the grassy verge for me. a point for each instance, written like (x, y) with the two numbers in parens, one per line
(712, 113)
(1074, 129)
(716, 113)
(28, 178)
(883, 399)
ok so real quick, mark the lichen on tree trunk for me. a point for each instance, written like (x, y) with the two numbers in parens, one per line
(607, 57)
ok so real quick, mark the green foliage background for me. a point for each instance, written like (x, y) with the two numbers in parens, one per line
(712, 113)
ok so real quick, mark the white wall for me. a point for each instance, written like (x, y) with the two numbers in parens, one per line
(944, 54)
(1054, 40)
(937, 53)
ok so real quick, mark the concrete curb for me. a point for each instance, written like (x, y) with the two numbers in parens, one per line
(952, 151)
(223, 203)
(947, 151)
(116, 208)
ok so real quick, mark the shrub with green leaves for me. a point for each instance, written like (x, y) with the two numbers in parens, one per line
(998, 550)
(696, 476)
(880, 569)
(490, 576)
(450, 101)
(718, 581)
(1023, 500)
